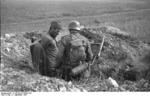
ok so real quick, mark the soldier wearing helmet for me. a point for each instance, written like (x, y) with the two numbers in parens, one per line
(75, 25)
(76, 51)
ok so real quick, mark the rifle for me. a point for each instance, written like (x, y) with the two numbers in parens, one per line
(82, 67)
(98, 55)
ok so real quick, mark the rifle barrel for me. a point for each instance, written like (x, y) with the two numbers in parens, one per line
(99, 51)
(101, 46)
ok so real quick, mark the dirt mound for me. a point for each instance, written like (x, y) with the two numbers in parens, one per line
(123, 58)
(121, 50)
(17, 73)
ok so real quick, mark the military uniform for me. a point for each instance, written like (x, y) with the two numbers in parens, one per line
(70, 62)
(38, 58)
(45, 51)
(45, 55)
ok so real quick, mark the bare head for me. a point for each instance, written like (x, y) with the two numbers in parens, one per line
(55, 28)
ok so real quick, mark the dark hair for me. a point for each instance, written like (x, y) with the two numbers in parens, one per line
(55, 25)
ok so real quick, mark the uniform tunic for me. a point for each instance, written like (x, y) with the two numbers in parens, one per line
(45, 56)
(64, 49)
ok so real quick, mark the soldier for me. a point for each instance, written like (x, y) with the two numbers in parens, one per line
(76, 51)
(45, 51)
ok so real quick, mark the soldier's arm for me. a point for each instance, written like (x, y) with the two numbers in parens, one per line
(62, 48)
(50, 51)
(62, 45)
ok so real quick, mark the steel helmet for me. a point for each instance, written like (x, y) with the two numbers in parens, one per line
(75, 25)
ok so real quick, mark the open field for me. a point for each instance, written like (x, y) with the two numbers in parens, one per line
(129, 15)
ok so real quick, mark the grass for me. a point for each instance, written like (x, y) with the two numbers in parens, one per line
(132, 16)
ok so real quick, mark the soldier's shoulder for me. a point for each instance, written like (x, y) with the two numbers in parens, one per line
(66, 37)
(45, 36)
(35, 43)
(83, 37)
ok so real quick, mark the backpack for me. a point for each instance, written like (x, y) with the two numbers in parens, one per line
(77, 49)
